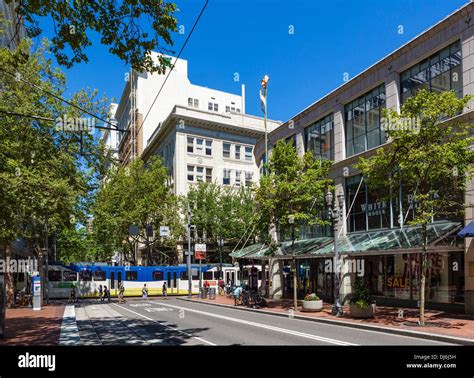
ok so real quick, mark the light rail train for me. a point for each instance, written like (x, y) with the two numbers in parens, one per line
(86, 279)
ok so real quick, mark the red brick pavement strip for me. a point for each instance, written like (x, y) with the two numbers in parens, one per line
(438, 322)
(24, 326)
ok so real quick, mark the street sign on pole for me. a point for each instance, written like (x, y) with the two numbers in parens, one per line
(199, 251)
(164, 231)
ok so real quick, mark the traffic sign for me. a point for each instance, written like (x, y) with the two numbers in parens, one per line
(199, 251)
(164, 231)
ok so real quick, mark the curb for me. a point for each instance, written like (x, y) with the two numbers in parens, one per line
(402, 332)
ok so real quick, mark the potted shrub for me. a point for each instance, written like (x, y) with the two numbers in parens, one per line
(360, 304)
(312, 302)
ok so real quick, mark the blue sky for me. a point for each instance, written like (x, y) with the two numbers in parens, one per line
(252, 38)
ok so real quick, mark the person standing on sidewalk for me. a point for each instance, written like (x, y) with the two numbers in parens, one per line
(164, 290)
(145, 292)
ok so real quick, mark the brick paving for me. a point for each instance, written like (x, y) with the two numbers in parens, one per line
(24, 326)
(438, 322)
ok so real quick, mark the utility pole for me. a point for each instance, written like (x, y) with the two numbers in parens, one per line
(188, 260)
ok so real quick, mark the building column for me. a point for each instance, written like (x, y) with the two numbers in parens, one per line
(339, 135)
(276, 282)
(469, 253)
(467, 51)
(392, 93)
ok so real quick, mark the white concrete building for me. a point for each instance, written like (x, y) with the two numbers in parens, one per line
(202, 134)
(110, 137)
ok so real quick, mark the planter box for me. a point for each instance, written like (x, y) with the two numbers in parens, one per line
(361, 313)
(312, 305)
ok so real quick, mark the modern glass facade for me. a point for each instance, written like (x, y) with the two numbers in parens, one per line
(440, 72)
(370, 210)
(363, 122)
(319, 138)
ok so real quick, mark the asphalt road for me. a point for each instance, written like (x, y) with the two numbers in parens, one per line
(173, 321)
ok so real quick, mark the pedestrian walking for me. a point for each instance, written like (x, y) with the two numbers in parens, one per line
(145, 292)
(121, 292)
(100, 293)
(106, 294)
(164, 290)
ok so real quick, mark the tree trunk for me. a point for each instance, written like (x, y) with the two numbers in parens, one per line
(9, 280)
(423, 274)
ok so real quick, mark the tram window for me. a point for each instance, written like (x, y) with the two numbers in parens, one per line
(184, 275)
(131, 276)
(85, 275)
(259, 275)
(238, 274)
(207, 276)
(54, 275)
(99, 275)
(69, 276)
(158, 275)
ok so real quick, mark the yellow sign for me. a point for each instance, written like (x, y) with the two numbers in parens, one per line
(397, 282)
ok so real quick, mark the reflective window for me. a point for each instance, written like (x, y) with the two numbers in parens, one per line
(99, 275)
(226, 177)
(54, 275)
(208, 174)
(248, 153)
(131, 276)
(319, 138)
(440, 72)
(363, 122)
(158, 275)
(85, 275)
(69, 275)
(226, 150)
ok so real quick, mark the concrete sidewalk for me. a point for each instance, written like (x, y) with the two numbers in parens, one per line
(24, 326)
(440, 324)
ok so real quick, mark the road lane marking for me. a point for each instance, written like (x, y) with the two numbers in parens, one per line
(301, 319)
(265, 326)
(174, 329)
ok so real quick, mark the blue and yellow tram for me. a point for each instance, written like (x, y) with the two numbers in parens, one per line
(87, 279)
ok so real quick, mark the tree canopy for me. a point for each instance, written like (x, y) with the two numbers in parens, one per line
(140, 195)
(293, 191)
(429, 155)
(131, 28)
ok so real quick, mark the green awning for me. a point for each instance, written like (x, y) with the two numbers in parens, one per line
(407, 238)
(358, 243)
(251, 249)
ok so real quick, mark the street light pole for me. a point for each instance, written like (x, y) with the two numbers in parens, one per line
(221, 245)
(335, 211)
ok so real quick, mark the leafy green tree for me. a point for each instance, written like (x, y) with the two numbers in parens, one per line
(131, 28)
(139, 195)
(42, 171)
(220, 212)
(428, 154)
(290, 195)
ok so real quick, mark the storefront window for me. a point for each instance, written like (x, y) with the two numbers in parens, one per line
(398, 276)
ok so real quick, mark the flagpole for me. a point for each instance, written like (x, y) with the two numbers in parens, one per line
(264, 83)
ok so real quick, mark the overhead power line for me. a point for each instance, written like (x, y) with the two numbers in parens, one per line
(177, 57)
(62, 99)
